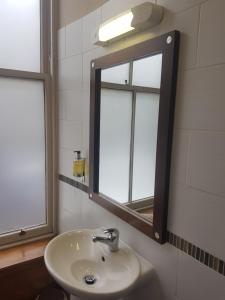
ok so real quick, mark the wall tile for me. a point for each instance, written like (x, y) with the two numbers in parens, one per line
(178, 5)
(70, 134)
(62, 106)
(163, 258)
(65, 221)
(66, 162)
(211, 48)
(71, 105)
(86, 137)
(77, 209)
(91, 23)
(62, 43)
(150, 291)
(196, 281)
(197, 217)
(93, 215)
(187, 23)
(200, 99)
(70, 73)
(103, 218)
(207, 162)
(88, 213)
(179, 156)
(66, 196)
(70, 202)
(112, 8)
(74, 38)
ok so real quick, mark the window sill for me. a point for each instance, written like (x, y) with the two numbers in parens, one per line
(19, 255)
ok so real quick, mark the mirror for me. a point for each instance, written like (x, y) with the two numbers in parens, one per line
(132, 102)
(128, 133)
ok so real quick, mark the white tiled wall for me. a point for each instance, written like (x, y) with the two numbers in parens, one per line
(197, 190)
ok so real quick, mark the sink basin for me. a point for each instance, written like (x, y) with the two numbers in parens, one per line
(89, 270)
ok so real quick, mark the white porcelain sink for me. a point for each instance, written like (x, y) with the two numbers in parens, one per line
(72, 256)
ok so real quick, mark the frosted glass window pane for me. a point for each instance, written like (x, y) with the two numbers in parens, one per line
(147, 71)
(20, 35)
(115, 132)
(145, 142)
(22, 154)
(118, 74)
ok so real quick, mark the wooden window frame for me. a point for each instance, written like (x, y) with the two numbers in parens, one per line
(47, 75)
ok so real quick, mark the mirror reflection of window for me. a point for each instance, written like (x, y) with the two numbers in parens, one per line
(147, 71)
(118, 74)
(115, 135)
(130, 97)
(145, 141)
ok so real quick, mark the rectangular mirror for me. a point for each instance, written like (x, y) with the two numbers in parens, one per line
(131, 121)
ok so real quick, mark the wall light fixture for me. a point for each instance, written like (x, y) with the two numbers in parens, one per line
(138, 18)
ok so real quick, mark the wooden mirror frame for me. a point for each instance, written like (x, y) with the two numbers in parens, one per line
(168, 45)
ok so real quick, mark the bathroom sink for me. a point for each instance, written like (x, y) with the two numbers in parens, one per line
(89, 270)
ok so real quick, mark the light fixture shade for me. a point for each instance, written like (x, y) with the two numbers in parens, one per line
(139, 18)
(116, 27)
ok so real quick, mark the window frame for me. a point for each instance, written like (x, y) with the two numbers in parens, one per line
(47, 75)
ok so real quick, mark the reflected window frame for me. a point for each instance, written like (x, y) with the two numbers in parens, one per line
(168, 45)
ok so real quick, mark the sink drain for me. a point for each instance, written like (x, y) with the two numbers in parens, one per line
(90, 279)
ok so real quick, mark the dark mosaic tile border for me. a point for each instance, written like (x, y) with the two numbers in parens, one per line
(77, 184)
(197, 253)
(200, 255)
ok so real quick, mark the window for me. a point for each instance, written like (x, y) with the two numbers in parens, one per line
(26, 119)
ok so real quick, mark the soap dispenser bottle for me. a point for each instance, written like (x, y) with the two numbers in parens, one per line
(78, 165)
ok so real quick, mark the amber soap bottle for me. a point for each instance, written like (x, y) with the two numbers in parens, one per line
(78, 165)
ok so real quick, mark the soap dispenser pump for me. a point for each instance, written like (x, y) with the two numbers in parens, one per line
(78, 165)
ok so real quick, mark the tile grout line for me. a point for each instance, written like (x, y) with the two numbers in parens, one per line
(178, 242)
(198, 37)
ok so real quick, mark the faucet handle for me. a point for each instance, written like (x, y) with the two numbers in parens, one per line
(111, 231)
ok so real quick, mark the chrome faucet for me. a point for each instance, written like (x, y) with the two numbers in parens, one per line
(112, 239)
